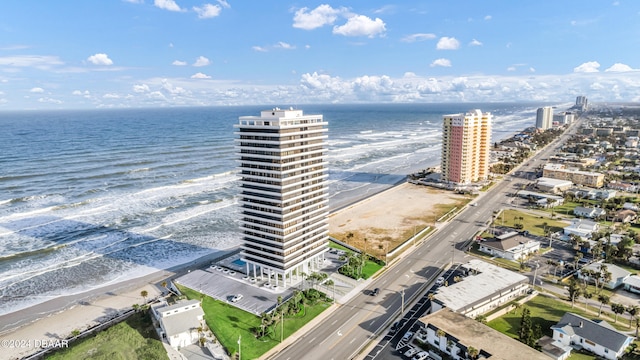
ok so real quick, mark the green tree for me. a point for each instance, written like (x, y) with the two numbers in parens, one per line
(617, 309)
(632, 310)
(574, 290)
(525, 334)
(604, 300)
(144, 294)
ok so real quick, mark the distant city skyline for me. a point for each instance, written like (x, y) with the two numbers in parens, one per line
(156, 53)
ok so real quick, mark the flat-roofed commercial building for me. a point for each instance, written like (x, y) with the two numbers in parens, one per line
(578, 177)
(283, 193)
(466, 145)
(485, 288)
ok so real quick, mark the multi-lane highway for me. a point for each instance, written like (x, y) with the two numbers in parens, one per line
(354, 325)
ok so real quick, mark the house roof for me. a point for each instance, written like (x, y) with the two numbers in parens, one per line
(633, 280)
(573, 324)
(183, 321)
(483, 282)
(507, 241)
(470, 332)
(616, 271)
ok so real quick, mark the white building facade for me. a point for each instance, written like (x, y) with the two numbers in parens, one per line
(544, 118)
(179, 323)
(283, 193)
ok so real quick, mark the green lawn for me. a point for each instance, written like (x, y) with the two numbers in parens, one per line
(370, 268)
(229, 323)
(134, 338)
(545, 311)
(335, 245)
(532, 223)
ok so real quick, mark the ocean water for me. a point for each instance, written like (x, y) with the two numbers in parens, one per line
(89, 198)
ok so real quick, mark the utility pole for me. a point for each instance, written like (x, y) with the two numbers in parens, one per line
(239, 347)
(402, 307)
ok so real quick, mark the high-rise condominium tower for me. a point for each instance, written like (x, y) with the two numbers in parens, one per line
(283, 193)
(466, 142)
(544, 118)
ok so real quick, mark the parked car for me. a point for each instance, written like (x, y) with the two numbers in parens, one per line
(422, 355)
(407, 336)
(396, 326)
(409, 353)
(440, 281)
(237, 298)
(375, 292)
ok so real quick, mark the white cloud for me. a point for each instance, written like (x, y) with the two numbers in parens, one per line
(167, 5)
(488, 17)
(441, 62)
(111, 96)
(361, 25)
(135, 1)
(37, 61)
(511, 68)
(224, 4)
(86, 94)
(208, 11)
(418, 37)
(179, 63)
(200, 76)
(49, 100)
(618, 67)
(100, 59)
(259, 48)
(475, 42)
(318, 17)
(202, 61)
(447, 43)
(588, 67)
(37, 90)
(284, 45)
(141, 88)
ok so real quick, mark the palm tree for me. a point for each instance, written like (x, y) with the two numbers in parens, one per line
(632, 310)
(331, 283)
(586, 295)
(472, 352)
(617, 309)
(604, 299)
(144, 295)
(574, 290)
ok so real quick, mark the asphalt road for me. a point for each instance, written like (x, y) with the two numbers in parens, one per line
(356, 324)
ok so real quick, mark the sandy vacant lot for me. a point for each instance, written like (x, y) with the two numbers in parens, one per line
(389, 218)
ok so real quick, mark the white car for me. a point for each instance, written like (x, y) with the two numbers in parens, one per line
(407, 336)
(440, 281)
(237, 298)
(422, 355)
(409, 353)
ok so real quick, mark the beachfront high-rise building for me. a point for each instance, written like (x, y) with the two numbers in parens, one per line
(466, 143)
(582, 102)
(544, 118)
(283, 193)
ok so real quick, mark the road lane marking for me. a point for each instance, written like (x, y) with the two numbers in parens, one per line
(310, 341)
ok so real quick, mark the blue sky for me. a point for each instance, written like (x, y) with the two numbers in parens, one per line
(156, 53)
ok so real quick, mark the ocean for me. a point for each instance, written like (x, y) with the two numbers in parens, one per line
(90, 198)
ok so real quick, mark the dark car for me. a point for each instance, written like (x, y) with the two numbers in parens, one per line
(396, 326)
(375, 292)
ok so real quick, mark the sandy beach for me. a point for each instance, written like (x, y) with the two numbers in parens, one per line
(384, 219)
(22, 330)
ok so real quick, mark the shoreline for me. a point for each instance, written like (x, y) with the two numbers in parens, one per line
(57, 318)
(18, 319)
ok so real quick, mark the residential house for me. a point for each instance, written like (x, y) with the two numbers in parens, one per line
(630, 206)
(179, 322)
(624, 216)
(455, 335)
(589, 213)
(511, 246)
(582, 228)
(632, 284)
(600, 338)
(618, 274)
